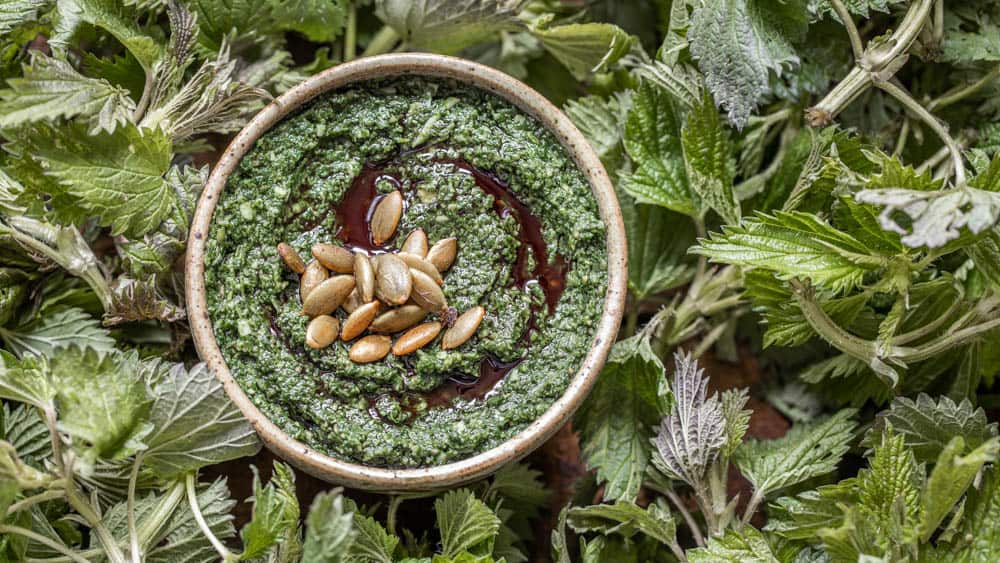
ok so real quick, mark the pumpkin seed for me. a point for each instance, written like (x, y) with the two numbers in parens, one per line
(386, 216)
(416, 243)
(327, 296)
(353, 301)
(416, 338)
(322, 331)
(371, 348)
(364, 277)
(396, 320)
(333, 257)
(358, 321)
(427, 293)
(464, 327)
(313, 275)
(417, 263)
(392, 279)
(443, 253)
(291, 258)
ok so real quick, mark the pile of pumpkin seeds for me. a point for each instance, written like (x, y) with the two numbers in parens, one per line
(383, 294)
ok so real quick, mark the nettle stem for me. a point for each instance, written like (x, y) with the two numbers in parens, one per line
(876, 63)
(192, 495)
(52, 544)
(857, 47)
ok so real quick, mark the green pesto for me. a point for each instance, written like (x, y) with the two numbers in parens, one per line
(353, 411)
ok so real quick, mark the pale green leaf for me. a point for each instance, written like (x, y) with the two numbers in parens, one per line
(979, 534)
(682, 81)
(26, 431)
(802, 516)
(927, 425)
(601, 120)
(616, 422)
(118, 177)
(181, 540)
(194, 424)
(26, 380)
(708, 158)
(372, 544)
(653, 141)
(986, 255)
(319, 20)
(745, 546)
(102, 400)
(806, 451)
(863, 8)
(737, 419)
(585, 48)
(59, 328)
(953, 473)
(739, 43)
(625, 519)
(465, 523)
(15, 12)
(51, 88)
(449, 25)
(275, 512)
(329, 530)
(889, 490)
(794, 245)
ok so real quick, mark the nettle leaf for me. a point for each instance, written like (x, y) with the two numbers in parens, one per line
(980, 528)
(952, 475)
(319, 20)
(275, 512)
(118, 177)
(329, 530)
(934, 217)
(26, 431)
(653, 141)
(625, 519)
(50, 88)
(802, 516)
(971, 34)
(682, 81)
(194, 424)
(102, 400)
(745, 546)
(863, 8)
(135, 300)
(738, 43)
(25, 380)
(585, 48)
(737, 419)
(113, 18)
(658, 242)
(889, 490)
(16, 12)
(466, 524)
(616, 422)
(986, 256)
(927, 426)
(692, 435)
(449, 25)
(372, 542)
(59, 328)
(181, 539)
(794, 244)
(709, 161)
(806, 451)
(601, 120)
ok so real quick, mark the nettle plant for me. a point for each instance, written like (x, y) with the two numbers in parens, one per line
(846, 196)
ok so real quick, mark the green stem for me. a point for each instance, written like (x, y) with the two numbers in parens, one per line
(133, 534)
(962, 92)
(35, 499)
(842, 95)
(914, 106)
(631, 320)
(901, 40)
(383, 42)
(825, 326)
(54, 545)
(751, 509)
(852, 30)
(350, 35)
(686, 514)
(147, 92)
(939, 22)
(949, 341)
(192, 495)
(391, 511)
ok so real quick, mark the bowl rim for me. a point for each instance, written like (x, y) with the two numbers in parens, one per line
(483, 464)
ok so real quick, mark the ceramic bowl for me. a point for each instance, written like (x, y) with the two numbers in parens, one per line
(485, 463)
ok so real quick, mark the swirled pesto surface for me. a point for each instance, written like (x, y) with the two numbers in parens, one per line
(426, 408)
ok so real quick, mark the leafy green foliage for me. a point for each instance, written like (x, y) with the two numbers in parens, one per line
(738, 43)
(927, 426)
(709, 160)
(794, 244)
(747, 545)
(617, 420)
(329, 534)
(466, 524)
(625, 519)
(807, 451)
(585, 48)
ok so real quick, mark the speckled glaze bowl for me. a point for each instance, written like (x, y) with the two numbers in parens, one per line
(483, 464)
